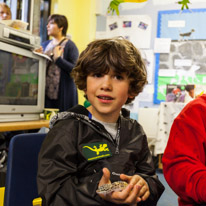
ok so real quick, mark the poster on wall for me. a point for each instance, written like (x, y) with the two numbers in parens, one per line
(135, 28)
(185, 62)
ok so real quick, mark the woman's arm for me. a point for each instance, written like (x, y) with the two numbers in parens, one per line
(71, 55)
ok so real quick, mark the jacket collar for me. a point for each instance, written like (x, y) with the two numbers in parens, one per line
(79, 111)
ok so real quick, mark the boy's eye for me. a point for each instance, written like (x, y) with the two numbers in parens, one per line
(97, 75)
(119, 77)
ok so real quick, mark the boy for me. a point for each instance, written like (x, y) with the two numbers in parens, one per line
(87, 148)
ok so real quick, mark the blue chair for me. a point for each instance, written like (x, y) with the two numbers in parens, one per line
(21, 187)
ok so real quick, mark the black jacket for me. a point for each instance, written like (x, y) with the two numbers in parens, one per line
(71, 161)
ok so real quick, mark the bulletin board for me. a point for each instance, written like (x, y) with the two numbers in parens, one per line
(135, 28)
(185, 63)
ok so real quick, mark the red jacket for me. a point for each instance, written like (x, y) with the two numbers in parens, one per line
(184, 159)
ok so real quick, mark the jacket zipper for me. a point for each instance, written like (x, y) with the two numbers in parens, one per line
(117, 138)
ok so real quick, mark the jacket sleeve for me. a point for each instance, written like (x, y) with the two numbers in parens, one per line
(145, 168)
(56, 166)
(71, 55)
(184, 157)
(57, 177)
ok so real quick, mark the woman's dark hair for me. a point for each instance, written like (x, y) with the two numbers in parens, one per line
(117, 54)
(61, 21)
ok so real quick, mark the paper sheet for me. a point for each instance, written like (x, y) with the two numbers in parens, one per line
(162, 45)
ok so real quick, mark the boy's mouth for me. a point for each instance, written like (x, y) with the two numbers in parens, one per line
(105, 97)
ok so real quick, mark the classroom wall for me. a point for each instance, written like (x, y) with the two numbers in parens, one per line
(150, 8)
(82, 22)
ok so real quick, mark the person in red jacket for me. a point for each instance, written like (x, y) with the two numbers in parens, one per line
(184, 159)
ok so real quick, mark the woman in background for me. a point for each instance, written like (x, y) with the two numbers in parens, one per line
(5, 12)
(60, 91)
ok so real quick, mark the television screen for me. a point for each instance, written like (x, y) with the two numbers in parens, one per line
(19, 79)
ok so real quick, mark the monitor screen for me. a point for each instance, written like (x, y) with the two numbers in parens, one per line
(22, 83)
(19, 79)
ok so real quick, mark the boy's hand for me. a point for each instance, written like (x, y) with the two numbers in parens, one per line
(130, 195)
(105, 177)
(138, 180)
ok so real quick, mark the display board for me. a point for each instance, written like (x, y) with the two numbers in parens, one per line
(135, 28)
(185, 63)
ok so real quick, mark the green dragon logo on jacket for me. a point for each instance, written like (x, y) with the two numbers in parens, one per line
(96, 150)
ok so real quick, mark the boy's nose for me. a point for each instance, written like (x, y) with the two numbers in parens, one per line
(106, 83)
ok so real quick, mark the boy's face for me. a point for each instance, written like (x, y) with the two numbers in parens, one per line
(107, 93)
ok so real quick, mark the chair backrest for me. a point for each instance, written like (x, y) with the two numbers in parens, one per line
(21, 187)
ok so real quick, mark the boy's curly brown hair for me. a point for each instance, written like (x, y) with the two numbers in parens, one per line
(117, 54)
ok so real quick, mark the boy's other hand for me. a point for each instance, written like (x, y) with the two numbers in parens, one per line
(130, 195)
(105, 177)
(139, 181)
